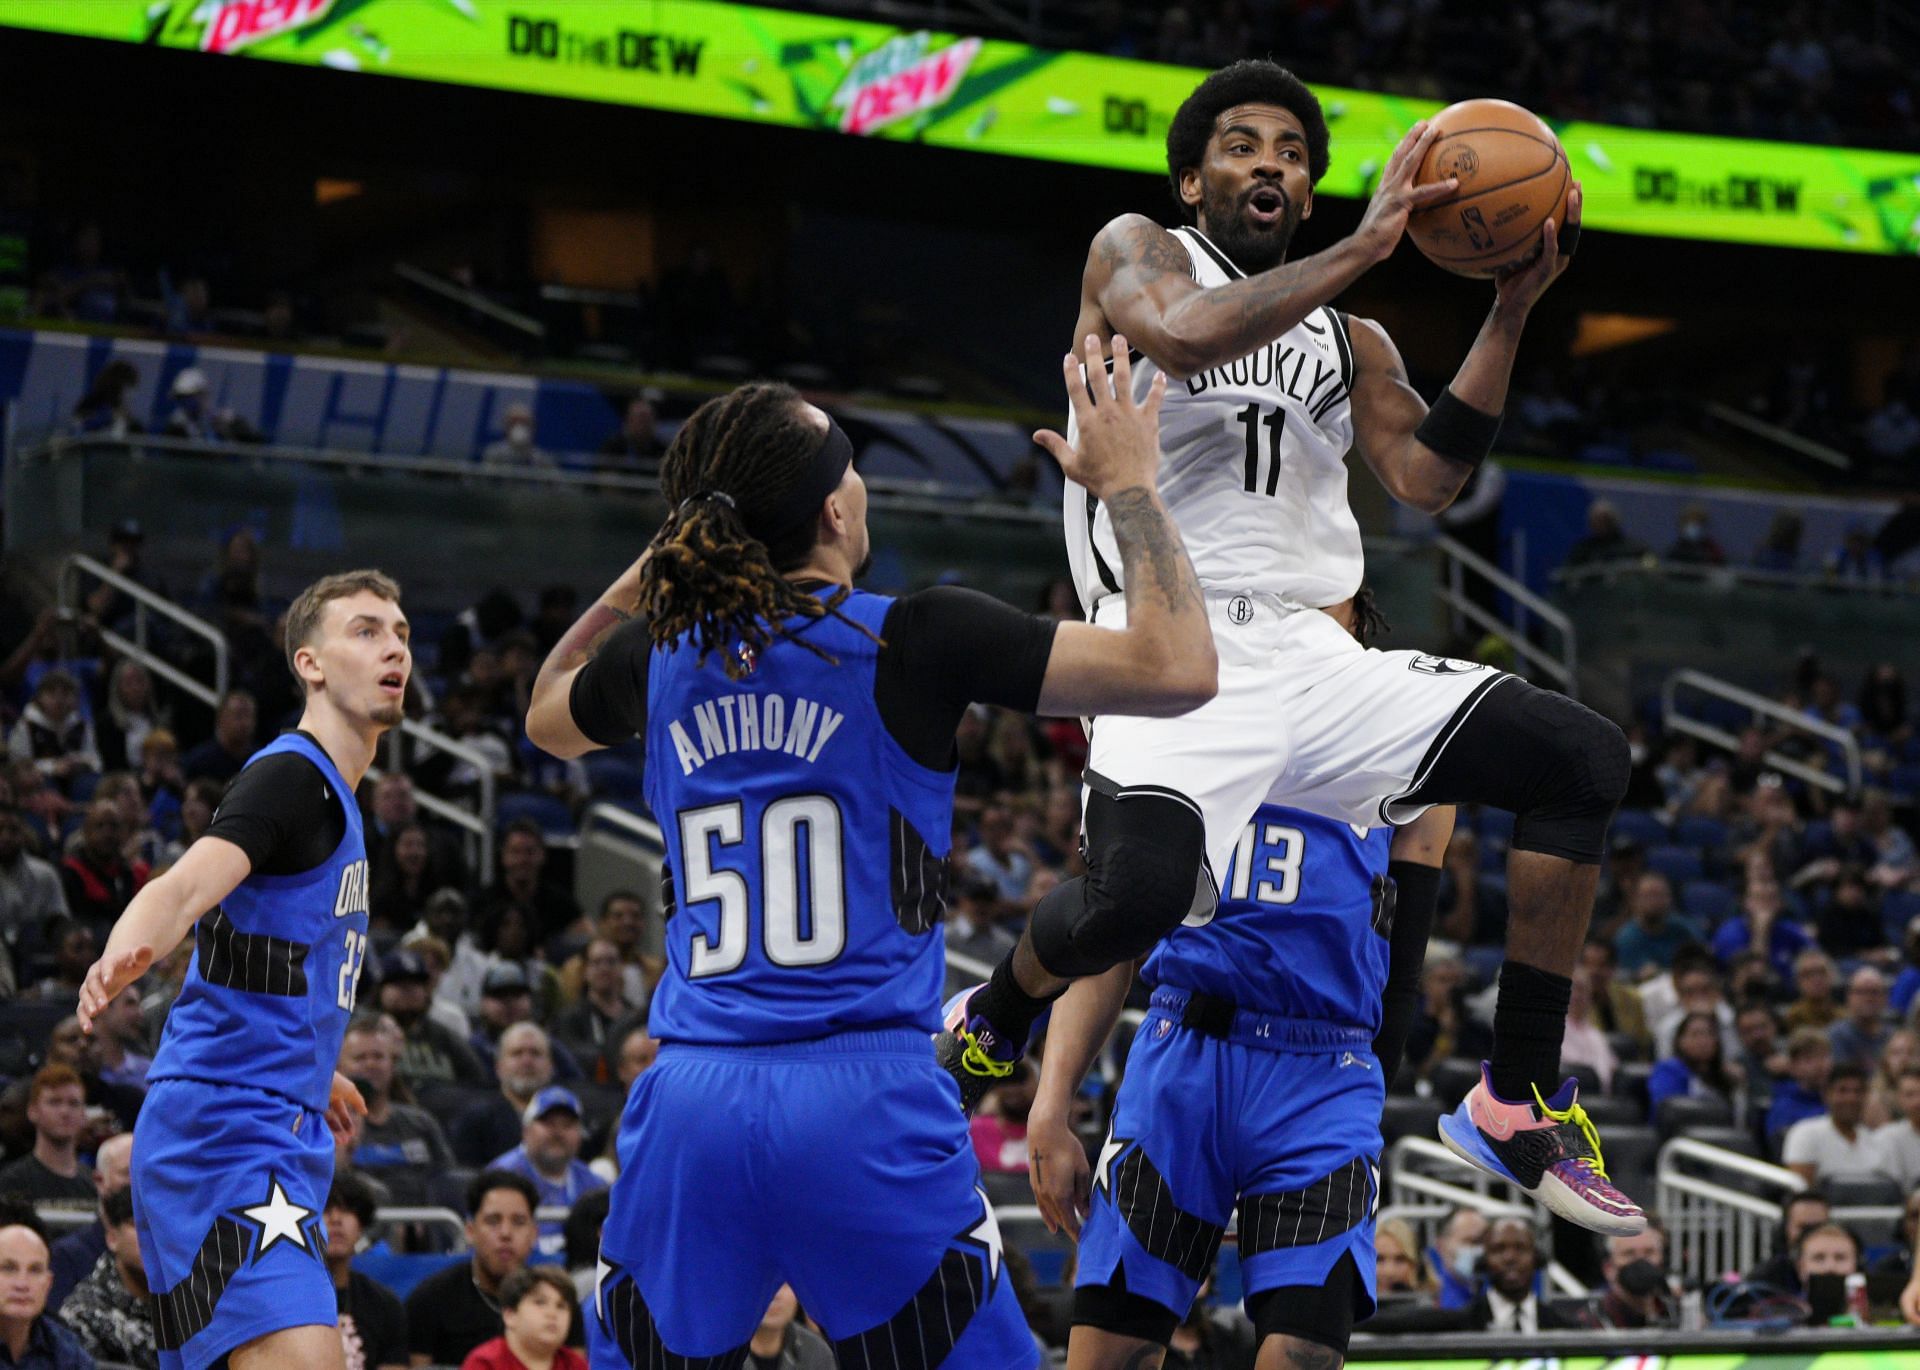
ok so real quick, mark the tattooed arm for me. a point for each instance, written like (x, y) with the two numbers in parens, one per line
(550, 722)
(1162, 661)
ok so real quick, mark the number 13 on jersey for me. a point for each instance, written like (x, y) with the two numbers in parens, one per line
(802, 883)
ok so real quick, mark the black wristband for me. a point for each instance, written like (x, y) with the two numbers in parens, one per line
(1458, 431)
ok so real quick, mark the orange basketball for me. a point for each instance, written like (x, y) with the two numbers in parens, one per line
(1513, 177)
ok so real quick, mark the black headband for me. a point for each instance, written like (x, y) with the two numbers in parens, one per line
(825, 469)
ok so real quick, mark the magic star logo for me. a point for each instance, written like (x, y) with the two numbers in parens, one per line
(899, 79)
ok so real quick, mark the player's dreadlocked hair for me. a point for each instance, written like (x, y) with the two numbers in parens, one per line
(1368, 622)
(732, 465)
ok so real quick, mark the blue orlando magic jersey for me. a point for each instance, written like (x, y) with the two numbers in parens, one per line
(806, 848)
(275, 969)
(1294, 933)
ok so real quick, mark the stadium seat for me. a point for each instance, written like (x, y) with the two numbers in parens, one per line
(1452, 1078)
(1641, 826)
(1610, 1110)
(1006, 1187)
(1687, 1114)
(615, 777)
(1868, 1191)
(1630, 1080)
(1496, 828)
(32, 1020)
(1588, 1077)
(1708, 902)
(1629, 1150)
(1047, 1252)
(1407, 1116)
(549, 811)
(1727, 1137)
(1897, 909)
(1678, 864)
(1701, 832)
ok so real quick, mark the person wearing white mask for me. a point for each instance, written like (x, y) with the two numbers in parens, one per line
(515, 446)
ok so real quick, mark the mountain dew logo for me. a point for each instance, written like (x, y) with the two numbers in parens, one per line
(229, 25)
(900, 78)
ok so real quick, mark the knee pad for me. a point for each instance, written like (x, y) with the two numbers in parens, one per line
(1146, 871)
(1321, 1314)
(1556, 765)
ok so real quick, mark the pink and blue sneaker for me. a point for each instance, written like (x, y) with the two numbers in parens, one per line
(1549, 1148)
(969, 1049)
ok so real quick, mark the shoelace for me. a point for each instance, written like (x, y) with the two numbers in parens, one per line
(975, 1060)
(1577, 1116)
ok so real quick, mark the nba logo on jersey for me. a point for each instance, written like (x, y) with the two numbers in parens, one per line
(352, 897)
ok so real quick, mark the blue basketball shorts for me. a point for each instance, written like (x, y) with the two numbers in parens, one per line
(229, 1192)
(1282, 1118)
(840, 1166)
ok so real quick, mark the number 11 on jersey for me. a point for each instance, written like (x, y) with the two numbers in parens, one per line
(1275, 422)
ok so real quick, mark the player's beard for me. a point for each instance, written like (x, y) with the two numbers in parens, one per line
(390, 714)
(1249, 247)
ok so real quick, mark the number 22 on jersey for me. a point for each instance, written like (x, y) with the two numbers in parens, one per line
(803, 891)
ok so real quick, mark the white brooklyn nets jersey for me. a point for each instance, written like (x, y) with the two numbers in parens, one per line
(1253, 465)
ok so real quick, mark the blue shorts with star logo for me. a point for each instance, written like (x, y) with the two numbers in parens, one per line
(229, 1188)
(841, 1166)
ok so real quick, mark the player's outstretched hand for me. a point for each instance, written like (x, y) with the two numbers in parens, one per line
(344, 1107)
(1519, 285)
(1057, 1168)
(106, 978)
(1395, 196)
(1119, 440)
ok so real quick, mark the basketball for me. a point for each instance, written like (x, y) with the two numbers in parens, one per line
(1513, 177)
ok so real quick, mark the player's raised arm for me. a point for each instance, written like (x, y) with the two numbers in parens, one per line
(1162, 662)
(159, 916)
(550, 722)
(1142, 280)
(1423, 457)
(1082, 1020)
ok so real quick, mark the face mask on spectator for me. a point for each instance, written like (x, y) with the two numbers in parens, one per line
(1466, 1262)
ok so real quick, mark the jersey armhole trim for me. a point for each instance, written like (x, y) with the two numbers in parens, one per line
(1205, 244)
(1343, 343)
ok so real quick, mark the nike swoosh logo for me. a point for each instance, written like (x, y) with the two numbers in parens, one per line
(1497, 1127)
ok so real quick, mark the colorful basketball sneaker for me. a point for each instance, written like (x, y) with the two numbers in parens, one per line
(971, 1051)
(1549, 1148)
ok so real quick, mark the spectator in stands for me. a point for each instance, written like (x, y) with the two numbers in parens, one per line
(1847, 922)
(537, 1312)
(1585, 1043)
(397, 1143)
(1471, 911)
(506, 1000)
(31, 894)
(1814, 981)
(1827, 1250)
(395, 805)
(404, 878)
(52, 1173)
(1760, 1058)
(189, 306)
(68, 1046)
(1696, 544)
(1605, 540)
(623, 919)
(130, 716)
(972, 927)
(999, 858)
(1399, 1268)
(1883, 1085)
(1779, 550)
(1653, 932)
(31, 1338)
(783, 1342)
(589, 1028)
(1697, 989)
(1834, 1146)
(432, 1053)
(1443, 1027)
(1801, 1094)
(54, 733)
(1616, 1006)
(83, 286)
(1802, 1212)
(493, 1125)
(1894, 864)
(221, 756)
(1856, 560)
(1697, 1068)
(1612, 900)
(76, 1253)
(1897, 1145)
(1899, 1263)
(548, 909)
(557, 610)
(99, 880)
(1455, 1254)
(373, 1324)
(638, 1050)
(1639, 1291)
(1843, 844)
(195, 418)
(515, 446)
(1883, 706)
(1508, 1303)
(74, 949)
(457, 983)
(108, 1311)
(582, 1228)
(635, 445)
(549, 1155)
(142, 843)
(1761, 922)
(450, 1313)
(999, 1128)
(120, 1036)
(1859, 1037)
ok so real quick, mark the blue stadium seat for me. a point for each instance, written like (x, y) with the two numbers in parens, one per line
(1678, 864)
(1897, 910)
(614, 777)
(1641, 826)
(1710, 833)
(1904, 780)
(1483, 964)
(1707, 902)
(549, 811)
(1495, 827)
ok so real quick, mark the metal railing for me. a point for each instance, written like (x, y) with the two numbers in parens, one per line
(1780, 437)
(146, 602)
(470, 299)
(1712, 1227)
(476, 822)
(1458, 561)
(1676, 721)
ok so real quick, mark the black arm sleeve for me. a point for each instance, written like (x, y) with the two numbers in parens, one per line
(609, 697)
(283, 814)
(1418, 893)
(947, 648)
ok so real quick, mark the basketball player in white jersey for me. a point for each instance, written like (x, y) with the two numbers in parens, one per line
(1270, 389)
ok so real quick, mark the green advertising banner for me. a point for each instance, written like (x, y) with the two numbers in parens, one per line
(873, 80)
